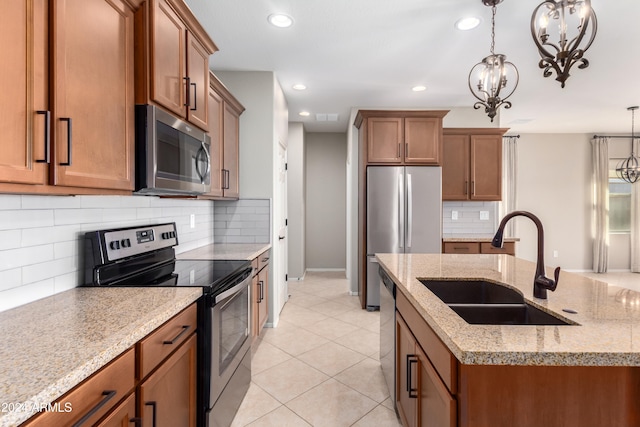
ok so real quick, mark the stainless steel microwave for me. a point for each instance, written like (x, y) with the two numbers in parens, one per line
(172, 156)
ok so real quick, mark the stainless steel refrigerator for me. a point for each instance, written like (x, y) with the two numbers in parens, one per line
(404, 215)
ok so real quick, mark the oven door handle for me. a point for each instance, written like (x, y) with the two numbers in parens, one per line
(226, 294)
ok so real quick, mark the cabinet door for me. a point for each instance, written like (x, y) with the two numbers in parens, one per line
(486, 167)
(24, 88)
(198, 72)
(231, 129)
(168, 396)
(123, 415)
(93, 117)
(437, 408)
(406, 374)
(263, 307)
(455, 167)
(385, 136)
(217, 148)
(422, 141)
(167, 55)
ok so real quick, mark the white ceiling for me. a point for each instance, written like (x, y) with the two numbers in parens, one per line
(370, 53)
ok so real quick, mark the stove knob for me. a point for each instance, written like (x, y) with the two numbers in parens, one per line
(126, 243)
(164, 235)
(115, 245)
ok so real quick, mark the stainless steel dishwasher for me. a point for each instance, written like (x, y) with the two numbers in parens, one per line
(388, 332)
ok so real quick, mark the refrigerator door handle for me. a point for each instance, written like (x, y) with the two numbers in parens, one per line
(401, 210)
(409, 210)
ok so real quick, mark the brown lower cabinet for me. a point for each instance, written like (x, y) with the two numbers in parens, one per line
(260, 293)
(166, 396)
(508, 248)
(434, 389)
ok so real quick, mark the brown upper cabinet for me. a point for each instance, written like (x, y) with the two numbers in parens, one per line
(68, 96)
(224, 130)
(172, 60)
(472, 164)
(402, 137)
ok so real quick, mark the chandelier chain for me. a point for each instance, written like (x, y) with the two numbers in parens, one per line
(493, 29)
(633, 125)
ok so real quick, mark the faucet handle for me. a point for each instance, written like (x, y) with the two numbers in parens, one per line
(556, 276)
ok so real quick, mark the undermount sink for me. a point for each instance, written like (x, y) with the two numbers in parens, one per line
(473, 292)
(480, 302)
(505, 314)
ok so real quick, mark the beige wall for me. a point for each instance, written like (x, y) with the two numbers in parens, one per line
(326, 156)
(554, 182)
(296, 200)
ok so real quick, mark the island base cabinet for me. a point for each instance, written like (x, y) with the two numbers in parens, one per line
(122, 416)
(582, 396)
(422, 398)
(168, 396)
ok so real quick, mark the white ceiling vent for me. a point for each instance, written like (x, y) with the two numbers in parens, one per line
(327, 117)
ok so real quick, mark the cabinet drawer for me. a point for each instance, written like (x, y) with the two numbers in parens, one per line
(443, 361)
(163, 341)
(507, 248)
(461, 248)
(94, 397)
(122, 415)
(263, 259)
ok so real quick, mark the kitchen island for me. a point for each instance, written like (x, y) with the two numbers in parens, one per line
(586, 373)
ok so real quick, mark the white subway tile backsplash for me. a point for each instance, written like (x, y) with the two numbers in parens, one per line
(10, 239)
(41, 236)
(17, 219)
(469, 221)
(242, 221)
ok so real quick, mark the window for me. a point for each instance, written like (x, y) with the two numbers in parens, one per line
(619, 201)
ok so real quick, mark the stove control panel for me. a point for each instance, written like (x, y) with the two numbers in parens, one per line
(127, 242)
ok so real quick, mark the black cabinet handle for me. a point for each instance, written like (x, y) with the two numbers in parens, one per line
(185, 328)
(187, 102)
(69, 139)
(108, 395)
(225, 179)
(266, 259)
(137, 421)
(47, 136)
(195, 96)
(413, 392)
(261, 283)
(153, 414)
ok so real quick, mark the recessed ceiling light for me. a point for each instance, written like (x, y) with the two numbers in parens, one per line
(468, 23)
(280, 20)
(304, 113)
(299, 86)
(419, 88)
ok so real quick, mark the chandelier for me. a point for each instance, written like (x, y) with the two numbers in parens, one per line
(578, 17)
(488, 80)
(629, 168)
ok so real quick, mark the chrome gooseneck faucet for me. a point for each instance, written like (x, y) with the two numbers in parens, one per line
(540, 282)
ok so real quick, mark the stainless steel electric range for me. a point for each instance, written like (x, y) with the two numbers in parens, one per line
(145, 256)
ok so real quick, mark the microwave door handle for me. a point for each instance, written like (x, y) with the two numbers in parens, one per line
(197, 161)
(206, 172)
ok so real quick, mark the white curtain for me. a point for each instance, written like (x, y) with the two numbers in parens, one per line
(600, 151)
(635, 227)
(509, 177)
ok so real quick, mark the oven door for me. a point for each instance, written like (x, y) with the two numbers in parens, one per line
(230, 336)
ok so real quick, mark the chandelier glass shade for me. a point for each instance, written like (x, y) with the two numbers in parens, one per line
(574, 27)
(494, 79)
(629, 169)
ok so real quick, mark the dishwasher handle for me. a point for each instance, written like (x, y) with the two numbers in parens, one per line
(388, 283)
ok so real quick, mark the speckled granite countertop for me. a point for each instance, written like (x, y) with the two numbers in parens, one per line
(246, 251)
(51, 345)
(474, 238)
(608, 333)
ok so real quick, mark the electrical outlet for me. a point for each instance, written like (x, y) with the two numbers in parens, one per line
(454, 215)
(484, 215)
(555, 254)
(192, 220)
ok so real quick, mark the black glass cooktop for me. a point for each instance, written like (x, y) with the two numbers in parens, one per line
(209, 274)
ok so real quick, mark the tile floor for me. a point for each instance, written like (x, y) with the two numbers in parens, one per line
(320, 366)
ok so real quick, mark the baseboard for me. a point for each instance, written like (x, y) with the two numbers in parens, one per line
(325, 269)
(354, 294)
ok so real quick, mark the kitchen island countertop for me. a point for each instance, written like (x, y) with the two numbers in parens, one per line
(51, 345)
(608, 317)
